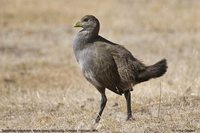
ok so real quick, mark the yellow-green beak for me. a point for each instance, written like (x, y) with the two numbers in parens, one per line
(78, 24)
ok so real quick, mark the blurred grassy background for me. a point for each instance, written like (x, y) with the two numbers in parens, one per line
(41, 85)
(141, 15)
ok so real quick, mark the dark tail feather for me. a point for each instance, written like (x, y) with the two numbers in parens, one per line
(153, 71)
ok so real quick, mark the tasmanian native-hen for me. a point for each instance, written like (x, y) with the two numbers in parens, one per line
(109, 65)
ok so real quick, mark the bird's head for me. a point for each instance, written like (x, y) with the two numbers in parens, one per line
(88, 22)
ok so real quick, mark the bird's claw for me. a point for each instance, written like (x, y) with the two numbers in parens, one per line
(97, 119)
(130, 118)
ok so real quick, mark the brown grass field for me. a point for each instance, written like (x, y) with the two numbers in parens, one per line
(42, 87)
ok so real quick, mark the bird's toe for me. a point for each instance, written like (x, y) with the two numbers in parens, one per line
(97, 119)
(130, 118)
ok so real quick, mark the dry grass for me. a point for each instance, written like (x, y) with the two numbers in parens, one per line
(41, 86)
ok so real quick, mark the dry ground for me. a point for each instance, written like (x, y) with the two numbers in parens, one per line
(41, 86)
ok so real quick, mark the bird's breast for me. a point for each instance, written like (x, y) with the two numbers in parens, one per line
(86, 58)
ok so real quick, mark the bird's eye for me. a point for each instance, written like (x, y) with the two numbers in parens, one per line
(85, 20)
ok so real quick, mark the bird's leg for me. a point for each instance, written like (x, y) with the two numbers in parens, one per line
(102, 106)
(127, 95)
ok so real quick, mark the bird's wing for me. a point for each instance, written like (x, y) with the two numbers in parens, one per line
(128, 66)
(105, 69)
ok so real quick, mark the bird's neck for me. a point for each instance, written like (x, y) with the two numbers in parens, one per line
(83, 39)
(86, 36)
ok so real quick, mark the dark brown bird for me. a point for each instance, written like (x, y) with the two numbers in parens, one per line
(109, 65)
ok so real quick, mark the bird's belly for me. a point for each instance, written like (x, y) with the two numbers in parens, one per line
(89, 73)
(91, 77)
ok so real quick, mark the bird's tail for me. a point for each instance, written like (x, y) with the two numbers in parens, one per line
(153, 71)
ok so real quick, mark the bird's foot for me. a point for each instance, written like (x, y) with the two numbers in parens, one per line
(97, 119)
(130, 118)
